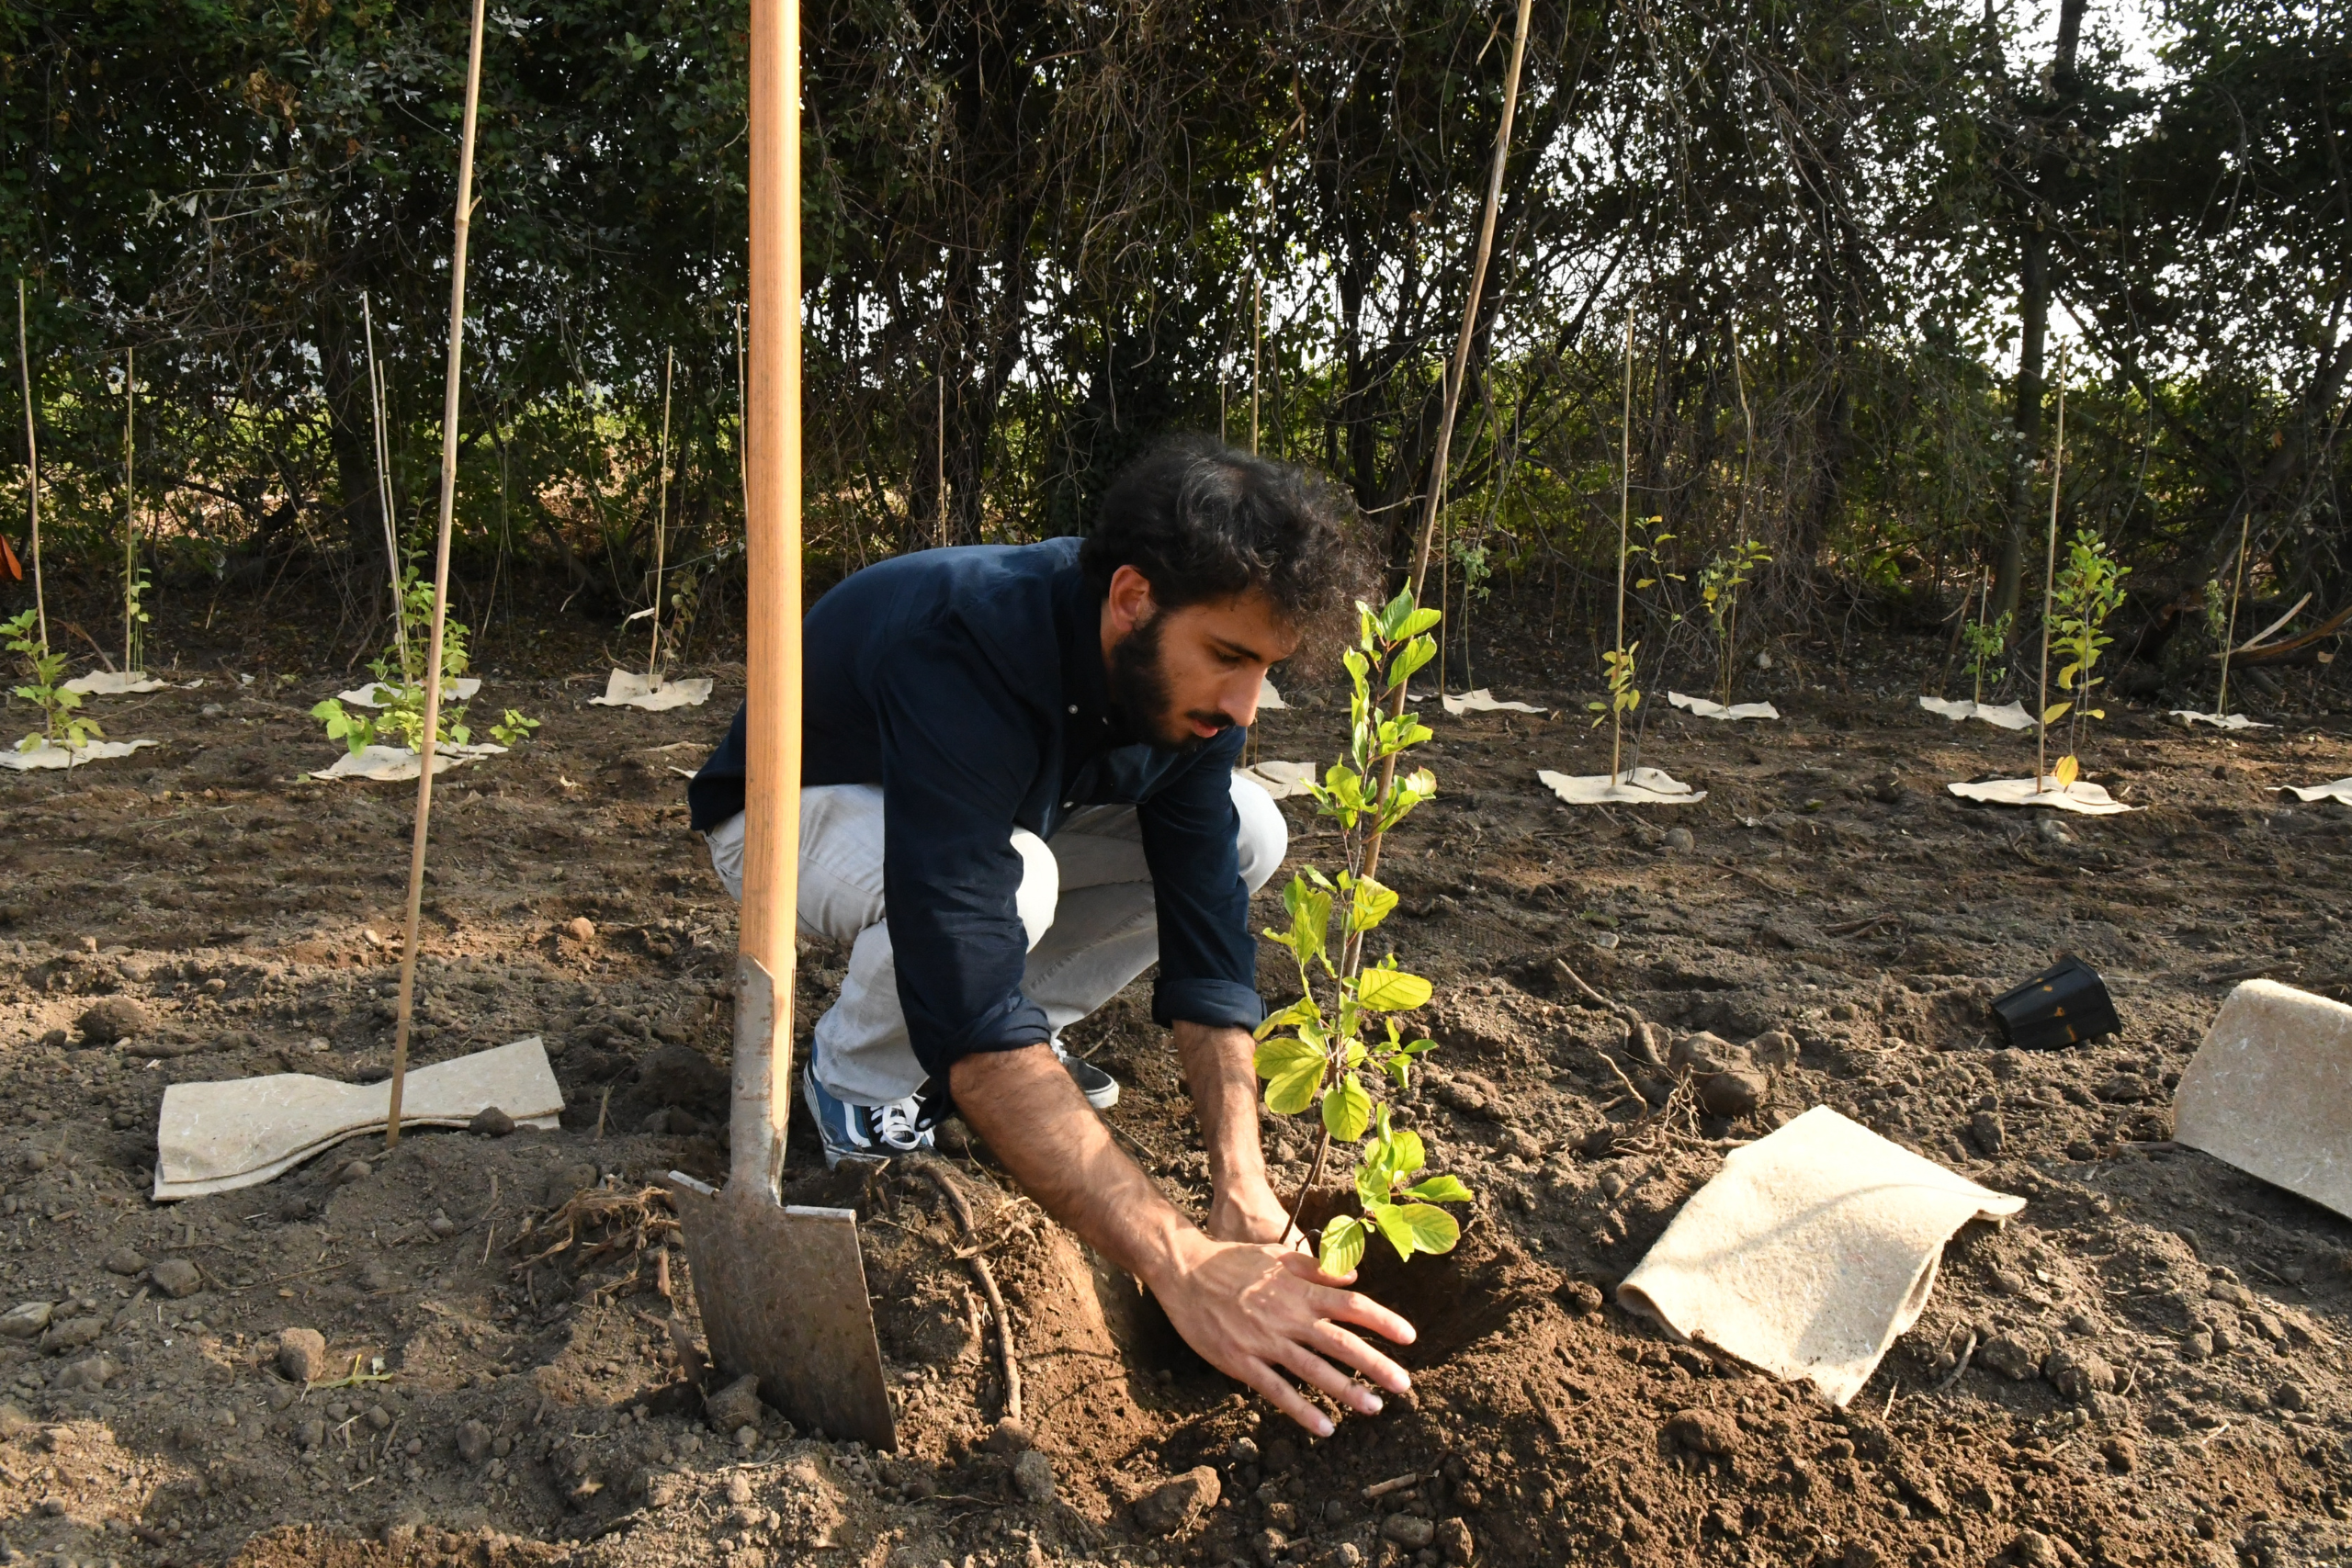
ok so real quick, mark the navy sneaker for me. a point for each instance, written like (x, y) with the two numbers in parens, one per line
(863, 1131)
(1102, 1091)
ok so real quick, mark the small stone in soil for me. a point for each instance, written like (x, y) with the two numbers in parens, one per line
(1409, 1530)
(1008, 1436)
(1033, 1475)
(355, 1171)
(581, 928)
(123, 1261)
(1581, 1297)
(1679, 840)
(735, 1406)
(176, 1278)
(25, 1320)
(489, 1121)
(116, 1018)
(474, 1441)
(1454, 1540)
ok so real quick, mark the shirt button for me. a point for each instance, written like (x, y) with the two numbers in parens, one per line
(1073, 707)
(1069, 806)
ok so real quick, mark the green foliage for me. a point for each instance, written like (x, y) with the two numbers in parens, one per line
(62, 722)
(1987, 646)
(1320, 1050)
(2089, 589)
(400, 682)
(1719, 586)
(135, 618)
(1618, 665)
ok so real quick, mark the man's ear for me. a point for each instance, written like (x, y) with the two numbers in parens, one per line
(1129, 600)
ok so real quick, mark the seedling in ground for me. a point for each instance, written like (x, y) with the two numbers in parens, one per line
(1987, 644)
(61, 723)
(2088, 590)
(399, 685)
(1312, 1053)
(1719, 590)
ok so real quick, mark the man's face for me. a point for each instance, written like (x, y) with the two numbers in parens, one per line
(1180, 677)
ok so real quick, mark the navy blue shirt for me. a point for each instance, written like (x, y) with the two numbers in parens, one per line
(968, 684)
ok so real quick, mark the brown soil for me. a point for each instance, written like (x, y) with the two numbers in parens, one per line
(235, 908)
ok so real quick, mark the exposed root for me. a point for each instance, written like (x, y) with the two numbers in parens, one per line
(937, 1174)
(617, 1223)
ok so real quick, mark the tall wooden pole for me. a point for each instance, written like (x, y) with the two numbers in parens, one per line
(424, 747)
(772, 708)
(1257, 349)
(2230, 633)
(32, 465)
(1624, 538)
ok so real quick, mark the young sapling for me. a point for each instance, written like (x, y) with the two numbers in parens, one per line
(2088, 590)
(1719, 590)
(62, 722)
(1312, 1054)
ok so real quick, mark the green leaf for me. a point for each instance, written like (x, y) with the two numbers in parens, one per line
(1432, 1230)
(1403, 1152)
(1440, 1189)
(1390, 990)
(1346, 1110)
(2054, 711)
(1293, 1070)
(1393, 1225)
(1370, 905)
(1303, 1011)
(1415, 654)
(1342, 1247)
(1420, 621)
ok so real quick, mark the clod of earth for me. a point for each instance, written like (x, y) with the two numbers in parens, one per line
(116, 1018)
(2078, 1375)
(123, 1261)
(302, 1356)
(2014, 1356)
(1709, 1432)
(736, 1406)
(72, 1335)
(1409, 1530)
(1033, 1476)
(1172, 1507)
(93, 1373)
(474, 1441)
(491, 1122)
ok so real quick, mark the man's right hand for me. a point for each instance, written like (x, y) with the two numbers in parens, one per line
(1256, 1311)
(1253, 1310)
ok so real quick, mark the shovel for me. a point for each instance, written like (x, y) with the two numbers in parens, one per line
(781, 1289)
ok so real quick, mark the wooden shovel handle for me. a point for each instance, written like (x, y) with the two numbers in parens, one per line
(772, 460)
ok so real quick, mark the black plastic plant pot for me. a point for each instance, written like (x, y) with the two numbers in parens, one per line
(2065, 1005)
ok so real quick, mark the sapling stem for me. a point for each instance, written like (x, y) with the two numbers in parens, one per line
(33, 467)
(660, 517)
(425, 745)
(2049, 581)
(1257, 349)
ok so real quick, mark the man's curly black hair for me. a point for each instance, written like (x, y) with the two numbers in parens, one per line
(1204, 522)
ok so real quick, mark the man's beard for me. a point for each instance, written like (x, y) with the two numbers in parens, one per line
(1140, 694)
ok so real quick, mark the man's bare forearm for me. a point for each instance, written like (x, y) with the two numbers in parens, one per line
(1219, 1071)
(1032, 1117)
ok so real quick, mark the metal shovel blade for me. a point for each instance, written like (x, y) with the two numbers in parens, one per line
(783, 1296)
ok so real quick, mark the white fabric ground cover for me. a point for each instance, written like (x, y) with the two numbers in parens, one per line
(1810, 1251)
(2008, 716)
(373, 694)
(392, 763)
(113, 683)
(1485, 701)
(2082, 797)
(47, 756)
(1704, 707)
(2219, 720)
(624, 690)
(1638, 786)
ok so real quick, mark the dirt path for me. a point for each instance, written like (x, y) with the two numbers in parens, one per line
(530, 1408)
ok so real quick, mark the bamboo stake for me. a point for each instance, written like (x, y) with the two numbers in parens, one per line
(661, 517)
(2230, 637)
(1459, 372)
(384, 483)
(1617, 715)
(2049, 581)
(1257, 350)
(129, 513)
(426, 742)
(32, 465)
(939, 470)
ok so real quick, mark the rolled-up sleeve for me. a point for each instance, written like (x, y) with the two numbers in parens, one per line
(1208, 959)
(959, 751)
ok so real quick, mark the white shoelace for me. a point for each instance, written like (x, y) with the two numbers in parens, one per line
(896, 1125)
